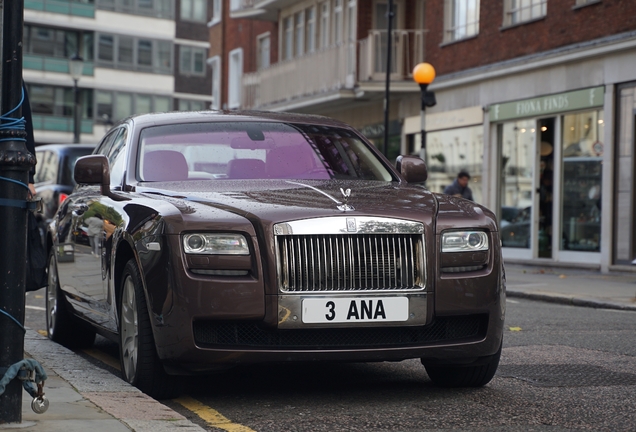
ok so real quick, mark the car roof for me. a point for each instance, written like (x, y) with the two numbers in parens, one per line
(177, 117)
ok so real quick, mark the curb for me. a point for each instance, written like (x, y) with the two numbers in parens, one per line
(111, 394)
(571, 300)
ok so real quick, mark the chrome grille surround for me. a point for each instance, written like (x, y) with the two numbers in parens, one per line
(350, 254)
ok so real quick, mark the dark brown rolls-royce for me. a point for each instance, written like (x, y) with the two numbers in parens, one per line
(221, 239)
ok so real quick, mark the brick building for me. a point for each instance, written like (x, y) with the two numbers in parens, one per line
(535, 99)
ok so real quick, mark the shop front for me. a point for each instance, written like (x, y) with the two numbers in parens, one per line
(547, 175)
(454, 143)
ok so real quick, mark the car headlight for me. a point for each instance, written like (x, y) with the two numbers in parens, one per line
(464, 241)
(215, 244)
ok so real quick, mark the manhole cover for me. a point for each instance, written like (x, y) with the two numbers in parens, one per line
(566, 375)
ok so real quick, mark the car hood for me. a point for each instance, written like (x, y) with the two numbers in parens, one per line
(285, 200)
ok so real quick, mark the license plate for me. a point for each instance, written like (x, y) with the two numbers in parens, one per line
(355, 309)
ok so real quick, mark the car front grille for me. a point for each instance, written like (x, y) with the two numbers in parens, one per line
(350, 262)
(211, 334)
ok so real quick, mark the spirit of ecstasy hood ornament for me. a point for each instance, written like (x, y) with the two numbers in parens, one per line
(342, 206)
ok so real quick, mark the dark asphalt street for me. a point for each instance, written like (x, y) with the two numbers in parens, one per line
(563, 368)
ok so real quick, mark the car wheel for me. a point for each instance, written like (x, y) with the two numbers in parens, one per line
(61, 326)
(140, 364)
(464, 376)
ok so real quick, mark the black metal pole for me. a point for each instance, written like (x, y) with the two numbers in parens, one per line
(77, 119)
(423, 88)
(389, 16)
(15, 162)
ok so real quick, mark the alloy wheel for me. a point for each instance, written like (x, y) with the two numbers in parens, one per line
(129, 330)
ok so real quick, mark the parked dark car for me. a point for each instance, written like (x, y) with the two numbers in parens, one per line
(54, 174)
(234, 238)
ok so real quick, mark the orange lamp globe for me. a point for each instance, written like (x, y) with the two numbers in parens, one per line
(423, 73)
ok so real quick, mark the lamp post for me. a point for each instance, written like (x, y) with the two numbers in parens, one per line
(75, 67)
(424, 74)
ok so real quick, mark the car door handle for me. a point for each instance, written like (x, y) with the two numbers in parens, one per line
(79, 209)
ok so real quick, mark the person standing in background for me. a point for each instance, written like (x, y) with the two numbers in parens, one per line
(460, 187)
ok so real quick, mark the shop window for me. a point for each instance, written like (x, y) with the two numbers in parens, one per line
(582, 181)
(516, 141)
(519, 11)
(450, 151)
(461, 19)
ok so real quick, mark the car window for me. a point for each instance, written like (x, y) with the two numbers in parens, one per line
(104, 146)
(255, 150)
(46, 168)
(116, 158)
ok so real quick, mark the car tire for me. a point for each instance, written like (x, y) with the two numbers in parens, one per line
(61, 326)
(140, 364)
(464, 376)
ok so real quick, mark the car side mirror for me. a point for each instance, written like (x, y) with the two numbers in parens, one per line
(412, 168)
(94, 170)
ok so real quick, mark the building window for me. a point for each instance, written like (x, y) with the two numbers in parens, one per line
(264, 51)
(153, 8)
(113, 106)
(235, 77)
(518, 11)
(300, 33)
(50, 42)
(586, 2)
(215, 66)
(191, 105)
(194, 10)
(324, 25)
(461, 19)
(191, 60)
(337, 21)
(216, 13)
(288, 40)
(310, 30)
(129, 53)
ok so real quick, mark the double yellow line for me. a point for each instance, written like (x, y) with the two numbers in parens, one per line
(211, 416)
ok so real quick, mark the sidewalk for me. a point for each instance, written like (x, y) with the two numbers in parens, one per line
(84, 398)
(576, 287)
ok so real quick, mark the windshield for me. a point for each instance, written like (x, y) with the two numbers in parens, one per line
(255, 150)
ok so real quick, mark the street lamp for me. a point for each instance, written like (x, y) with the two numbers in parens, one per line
(75, 67)
(424, 74)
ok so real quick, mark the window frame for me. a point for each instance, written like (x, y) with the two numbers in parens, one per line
(260, 54)
(235, 78)
(453, 31)
(191, 16)
(156, 46)
(217, 13)
(215, 66)
(509, 12)
(190, 71)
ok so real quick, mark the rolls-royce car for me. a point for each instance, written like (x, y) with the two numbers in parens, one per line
(226, 238)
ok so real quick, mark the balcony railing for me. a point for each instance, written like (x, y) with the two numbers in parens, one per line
(50, 64)
(333, 69)
(66, 7)
(407, 51)
(324, 71)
